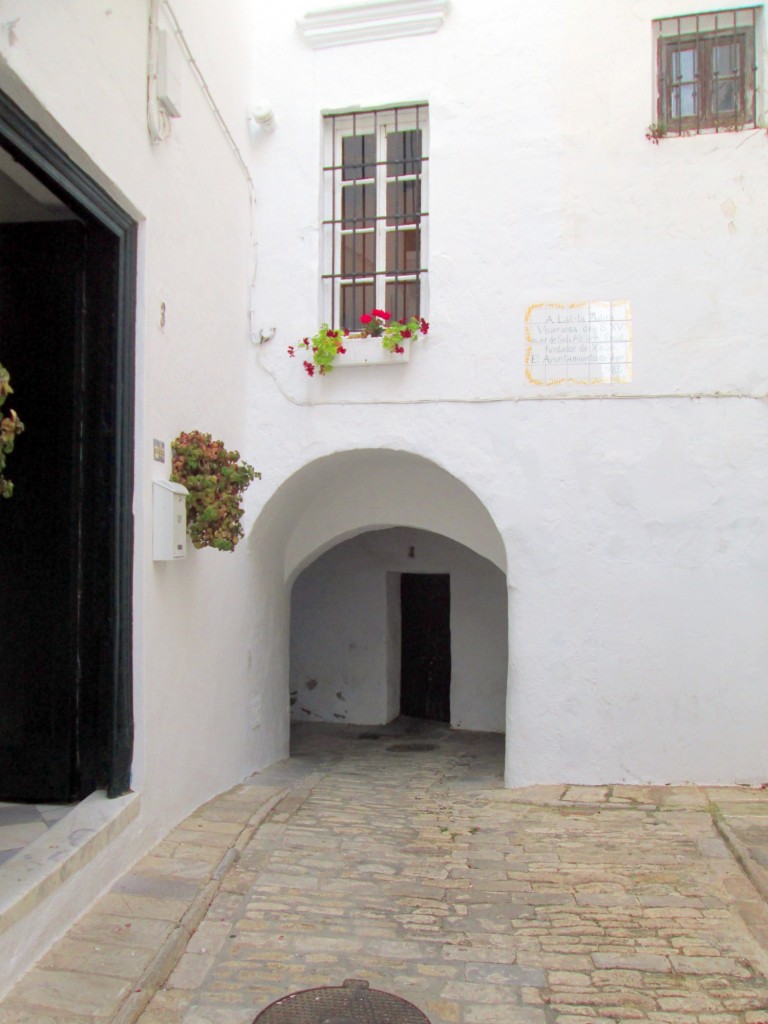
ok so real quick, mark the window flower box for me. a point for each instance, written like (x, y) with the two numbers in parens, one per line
(364, 350)
(382, 340)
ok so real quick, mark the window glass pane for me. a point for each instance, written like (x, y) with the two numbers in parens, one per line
(358, 157)
(403, 202)
(358, 206)
(668, 27)
(404, 152)
(356, 299)
(402, 299)
(684, 101)
(403, 251)
(358, 254)
(726, 97)
(684, 65)
(725, 19)
(725, 59)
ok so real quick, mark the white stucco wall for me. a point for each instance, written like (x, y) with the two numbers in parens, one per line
(344, 636)
(632, 515)
(80, 70)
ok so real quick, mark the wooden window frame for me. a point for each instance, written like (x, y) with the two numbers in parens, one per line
(702, 42)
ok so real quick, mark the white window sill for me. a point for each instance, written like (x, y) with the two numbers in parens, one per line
(370, 352)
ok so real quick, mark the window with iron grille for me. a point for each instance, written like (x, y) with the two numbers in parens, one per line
(707, 72)
(375, 216)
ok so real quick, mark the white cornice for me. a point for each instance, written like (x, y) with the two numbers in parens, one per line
(363, 23)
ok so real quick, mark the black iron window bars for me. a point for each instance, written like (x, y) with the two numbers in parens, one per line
(707, 74)
(375, 214)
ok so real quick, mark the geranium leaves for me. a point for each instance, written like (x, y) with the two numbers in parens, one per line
(215, 479)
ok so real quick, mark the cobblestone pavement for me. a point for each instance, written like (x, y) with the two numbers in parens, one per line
(416, 870)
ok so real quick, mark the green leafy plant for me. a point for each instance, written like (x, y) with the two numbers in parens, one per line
(215, 479)
(10, 428)
(327, 343)
(656, 132)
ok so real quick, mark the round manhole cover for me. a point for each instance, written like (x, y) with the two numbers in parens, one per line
(407, 748)
(354, 1002)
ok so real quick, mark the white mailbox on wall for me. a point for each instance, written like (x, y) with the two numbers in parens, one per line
(169, 520)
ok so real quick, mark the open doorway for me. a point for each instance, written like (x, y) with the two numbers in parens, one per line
(425, 661)
(67, 297)
(400, 621)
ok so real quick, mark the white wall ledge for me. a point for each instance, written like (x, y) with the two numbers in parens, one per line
(367, 22)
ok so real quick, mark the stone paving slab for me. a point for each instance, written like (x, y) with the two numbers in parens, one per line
(419, 872)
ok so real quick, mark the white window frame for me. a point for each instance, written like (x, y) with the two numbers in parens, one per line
(379, 122)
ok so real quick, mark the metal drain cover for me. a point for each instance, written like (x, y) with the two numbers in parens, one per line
(406, 748)
(354, 1002)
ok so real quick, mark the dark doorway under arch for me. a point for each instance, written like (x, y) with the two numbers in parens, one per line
(425, 660)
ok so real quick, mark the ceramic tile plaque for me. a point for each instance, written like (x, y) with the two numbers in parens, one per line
(579, 342)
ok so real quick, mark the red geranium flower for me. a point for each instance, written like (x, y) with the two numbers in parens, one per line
(424, 326)
(341, 349)
(291, 352)
(399, 348)
(407, 333)
(366, 318)
(309, 368)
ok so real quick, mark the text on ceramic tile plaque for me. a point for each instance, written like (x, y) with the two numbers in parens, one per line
(579, 342)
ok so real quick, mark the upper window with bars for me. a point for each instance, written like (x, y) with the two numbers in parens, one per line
(707, 72)
(375, 217)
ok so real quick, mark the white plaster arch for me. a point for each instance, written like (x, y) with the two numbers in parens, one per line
(340, 495)
(326, 501)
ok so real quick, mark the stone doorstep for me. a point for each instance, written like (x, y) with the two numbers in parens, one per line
(133, 963)
(43, 866)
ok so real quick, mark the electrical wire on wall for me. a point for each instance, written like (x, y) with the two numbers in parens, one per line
(159, 123)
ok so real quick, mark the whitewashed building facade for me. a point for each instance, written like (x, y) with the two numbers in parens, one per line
(572, 195)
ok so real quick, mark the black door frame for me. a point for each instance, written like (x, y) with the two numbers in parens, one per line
(34, 150)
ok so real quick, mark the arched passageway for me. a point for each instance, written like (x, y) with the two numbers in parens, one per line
(400, 621)
(372, 506)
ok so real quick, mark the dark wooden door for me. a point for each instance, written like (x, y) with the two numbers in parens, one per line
(41, 541)
(67, 317)
(425, 685)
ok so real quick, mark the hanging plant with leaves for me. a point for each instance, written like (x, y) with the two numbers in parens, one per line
(10, 427)
(215, 479)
